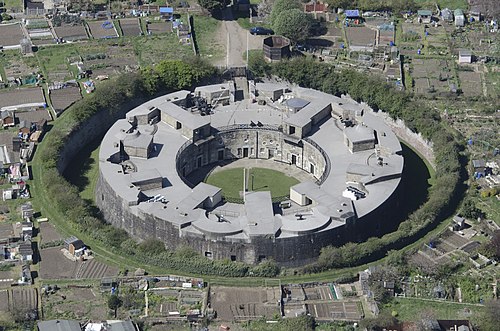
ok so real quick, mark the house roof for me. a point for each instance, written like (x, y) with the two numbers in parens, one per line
(77, 243)
(478, 163)
(25, 248)
(59, 325)
(6, 113)
(24, 124)
(465, 52)
(111, 326)
(424, 12)
(458, 12)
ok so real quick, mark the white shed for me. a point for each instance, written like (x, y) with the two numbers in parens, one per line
(464, 56)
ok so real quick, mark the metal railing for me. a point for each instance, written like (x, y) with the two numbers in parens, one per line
(237, 127)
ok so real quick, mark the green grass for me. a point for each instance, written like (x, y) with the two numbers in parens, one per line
(87, 163)
(206, 30)
(152, 49)
(452, 4)
(413, 309)
(259, 179)
(491, 206)
(12, 4)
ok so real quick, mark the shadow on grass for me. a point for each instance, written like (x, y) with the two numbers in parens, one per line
(77, 170)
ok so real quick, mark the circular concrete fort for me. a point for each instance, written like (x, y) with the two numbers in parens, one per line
(152, 166)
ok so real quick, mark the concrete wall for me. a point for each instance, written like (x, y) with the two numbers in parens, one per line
(258, 144)
(138, 151)
(291, 251)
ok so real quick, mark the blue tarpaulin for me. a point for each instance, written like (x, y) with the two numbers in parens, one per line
(352, 13)
(166, 10)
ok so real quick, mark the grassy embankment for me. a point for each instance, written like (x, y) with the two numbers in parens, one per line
(84, 176)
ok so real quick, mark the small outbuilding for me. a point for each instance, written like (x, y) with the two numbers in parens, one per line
(464, 56)
(424, 16)
(447, 15)
(458, 223)
(276, 48)
(26, 251)
(479, 167)
(75, 246)
(359, 138)
(459, 18)
(166, 12)
(24, 127)
(8, 118)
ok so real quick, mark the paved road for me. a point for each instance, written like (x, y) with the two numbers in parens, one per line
(237, 40)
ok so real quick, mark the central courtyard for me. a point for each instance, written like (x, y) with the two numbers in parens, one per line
(257, 179)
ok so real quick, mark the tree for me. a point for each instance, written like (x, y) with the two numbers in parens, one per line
(213, 5)
(281, 6)
(265, 7)
(470, 210)
(293, 24)
(380, 322)
(114, 302)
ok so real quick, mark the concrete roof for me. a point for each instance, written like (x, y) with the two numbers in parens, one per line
(191, 121)
(137, 139)
(256, 217)
(259, 213)
(198, 195)
(359, 133)
(144, 175)
(269, 87)
(297, 103)
(213, 88)
(318, 101)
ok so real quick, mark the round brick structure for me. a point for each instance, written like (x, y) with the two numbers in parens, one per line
(353, 161)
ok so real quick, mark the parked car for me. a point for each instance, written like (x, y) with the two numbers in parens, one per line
(259, 30)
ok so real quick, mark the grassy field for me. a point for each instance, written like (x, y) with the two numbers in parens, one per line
(206, 30)
(12, 4)
(491, 206)
(452, 4)
(152, 49)
(412, 309)
(259, 179)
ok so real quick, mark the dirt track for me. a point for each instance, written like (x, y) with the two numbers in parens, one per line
(234, 39)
